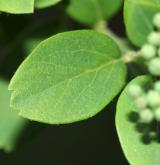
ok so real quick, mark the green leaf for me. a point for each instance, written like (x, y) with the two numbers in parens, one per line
(136, 151)
(68, 77)
(24, 6)
(11, 124)
(45, 3)
(17, 6)
(92, 11)
(138, 15)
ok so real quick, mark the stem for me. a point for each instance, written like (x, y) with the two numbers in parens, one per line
(128, 54)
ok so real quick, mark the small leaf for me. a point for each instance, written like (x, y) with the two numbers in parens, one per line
(45, 3)
(138, 148)
(68, 77)
(92, 11)
(17, 6)
(11, 124)
(138, 15)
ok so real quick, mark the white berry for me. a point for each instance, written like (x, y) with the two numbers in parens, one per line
(141, 102)
(148, 51)
(146, 116)
(157, 86)
(135, 90)
(157, 114)
(156, 20)
(153, 98)
(154, 66)
(158, 52)
(154, 38)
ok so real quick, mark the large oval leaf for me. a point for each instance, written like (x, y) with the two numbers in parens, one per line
(138, 15)
(17, 6)
(136, 151)
(92, 11)
(69, 77)
(11, 124)
(45, 3)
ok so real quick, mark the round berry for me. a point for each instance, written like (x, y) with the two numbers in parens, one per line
(157, 86)
(148, 51)
(159, 51)
(152, 134)
(154, 66)
(153, 98)
(146, 116)
(141, 102)
(135, 90)
(154, 38)
(157, 114)
(156, 20)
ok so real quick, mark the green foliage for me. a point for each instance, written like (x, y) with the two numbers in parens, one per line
(136, 151)
(72, 76)
(45, 3)
(92, 11)
(138, 15)
(11, 124)
(17, 6)
(24, 6)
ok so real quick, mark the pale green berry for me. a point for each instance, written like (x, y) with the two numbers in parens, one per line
(153, 98)
(135, 90)
(154, 38)
(158, 52)
(148, 51)
(157, 114)
(146, 116)
(141, 102)
(157, 86)
(156, 20)
(152, 134)
(154, 66)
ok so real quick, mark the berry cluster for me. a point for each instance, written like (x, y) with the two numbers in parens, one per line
(148, 101)
(151, 51)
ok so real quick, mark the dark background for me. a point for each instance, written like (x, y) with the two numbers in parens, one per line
(91, 142)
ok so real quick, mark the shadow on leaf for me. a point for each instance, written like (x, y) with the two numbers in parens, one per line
(150, 132)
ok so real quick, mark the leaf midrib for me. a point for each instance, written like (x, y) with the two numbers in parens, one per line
(78, 75)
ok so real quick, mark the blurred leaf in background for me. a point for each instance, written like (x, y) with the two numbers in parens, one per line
(11, 125)
(92, 11)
